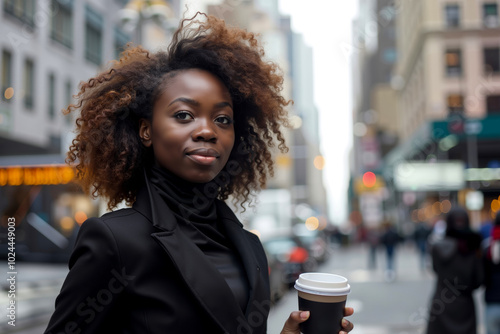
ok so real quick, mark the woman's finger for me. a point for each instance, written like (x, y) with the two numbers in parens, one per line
(347, 326)
(348, 311)
(292, 323)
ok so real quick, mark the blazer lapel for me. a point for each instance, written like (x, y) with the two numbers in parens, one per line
(246, 247)
(203, 279)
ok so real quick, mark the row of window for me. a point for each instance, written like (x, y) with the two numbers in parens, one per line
(61, 26)
(490, 15)
(28, 89)
(491, 61)
(455, 104)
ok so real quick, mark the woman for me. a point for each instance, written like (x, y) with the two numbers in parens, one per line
(175, 134)
(492, 278)
(456, 259)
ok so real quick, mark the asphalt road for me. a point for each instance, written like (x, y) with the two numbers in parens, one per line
(397, 307)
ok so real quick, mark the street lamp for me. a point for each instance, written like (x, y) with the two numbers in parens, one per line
(136, 12)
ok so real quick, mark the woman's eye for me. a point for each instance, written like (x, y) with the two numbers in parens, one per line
(183, 115)
(224, 120)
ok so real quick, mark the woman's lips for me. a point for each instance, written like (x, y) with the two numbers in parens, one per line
(202, 159)
(203, 156)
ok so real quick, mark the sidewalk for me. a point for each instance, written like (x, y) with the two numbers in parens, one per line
(37, 285)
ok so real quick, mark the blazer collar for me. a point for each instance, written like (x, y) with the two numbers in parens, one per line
(161, 217)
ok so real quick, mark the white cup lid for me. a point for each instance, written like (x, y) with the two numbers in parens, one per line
(323, 284)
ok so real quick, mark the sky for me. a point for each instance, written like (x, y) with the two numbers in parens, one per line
(326, 26)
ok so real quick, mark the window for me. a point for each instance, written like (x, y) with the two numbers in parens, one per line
(453, 63)
(490, 15)
(121, 39)
(29, 84)
(69, 99)
(452, 13)
(491, 60)
(23, 10)
(455, 105)
(93, 36)
(493, 104)
(52, 96)
(7, 90)
(61, 29)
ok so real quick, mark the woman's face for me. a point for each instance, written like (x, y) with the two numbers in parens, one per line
(192, 130)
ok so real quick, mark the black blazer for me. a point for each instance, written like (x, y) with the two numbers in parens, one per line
(134, 271)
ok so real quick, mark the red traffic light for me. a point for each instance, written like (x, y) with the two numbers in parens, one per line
(369, 179)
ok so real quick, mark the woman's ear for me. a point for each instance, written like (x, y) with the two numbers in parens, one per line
(145, 132)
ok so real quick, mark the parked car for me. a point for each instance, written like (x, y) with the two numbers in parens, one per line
(314, 241)
(287, 253)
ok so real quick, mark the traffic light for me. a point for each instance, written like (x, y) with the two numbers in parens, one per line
(369, 179)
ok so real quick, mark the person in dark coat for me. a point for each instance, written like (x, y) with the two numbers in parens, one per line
(492, 278)
(174, 134)
(390, 239)
(457, 262)
(420, 236)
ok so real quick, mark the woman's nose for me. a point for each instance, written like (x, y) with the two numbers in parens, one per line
(205, 132)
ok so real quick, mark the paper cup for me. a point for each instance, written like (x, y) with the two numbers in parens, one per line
(324, 295)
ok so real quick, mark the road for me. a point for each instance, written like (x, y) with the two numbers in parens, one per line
(396, 307)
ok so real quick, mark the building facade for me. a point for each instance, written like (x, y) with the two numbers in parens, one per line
(448, 82)
(444, 98)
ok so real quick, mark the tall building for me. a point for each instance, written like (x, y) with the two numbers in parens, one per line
(448, 85)
(374, 109)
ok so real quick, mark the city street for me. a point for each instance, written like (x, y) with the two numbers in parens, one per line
(380, 307)
(397, 307)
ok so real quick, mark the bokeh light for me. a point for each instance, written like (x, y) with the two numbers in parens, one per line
(369, 179)
(67, 223)
(445, 206)
(80, 217)
(319, 162)
(312, 223)
(9, 93)
(296, 121)
(495, 205)
(421, 215)
(436, 208)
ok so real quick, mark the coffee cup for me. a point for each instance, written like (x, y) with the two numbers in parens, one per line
(324, 295)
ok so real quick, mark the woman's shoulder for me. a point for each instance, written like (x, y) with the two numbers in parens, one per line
(119, 215)
(126, 220)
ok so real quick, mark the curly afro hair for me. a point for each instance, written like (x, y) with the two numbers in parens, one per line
(107, 150)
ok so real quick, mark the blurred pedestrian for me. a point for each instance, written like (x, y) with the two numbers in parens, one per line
(456, 260)
(492, 279)
(420, 237)
(373, 240)
(175, 133)
(485, 229)
(390, 239)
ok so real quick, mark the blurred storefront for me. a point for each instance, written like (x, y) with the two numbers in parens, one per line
(47, 207)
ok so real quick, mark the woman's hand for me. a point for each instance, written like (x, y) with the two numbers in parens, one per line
(292, 324)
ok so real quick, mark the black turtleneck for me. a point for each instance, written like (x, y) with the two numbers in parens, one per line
(193, 205)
